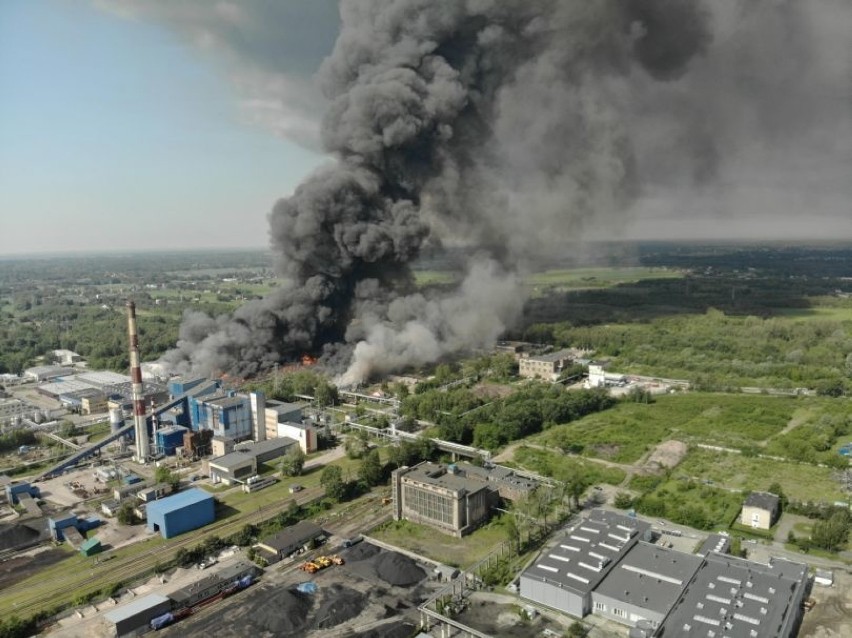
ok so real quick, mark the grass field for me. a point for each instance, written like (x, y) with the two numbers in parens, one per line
(799, 481)
(579, 278)
(549, 463)
(629, 430)
(459, 552)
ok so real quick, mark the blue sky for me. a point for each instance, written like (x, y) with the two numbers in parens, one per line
(118, 134)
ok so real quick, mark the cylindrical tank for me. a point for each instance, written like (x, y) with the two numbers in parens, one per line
(116, 419)
(37, 418)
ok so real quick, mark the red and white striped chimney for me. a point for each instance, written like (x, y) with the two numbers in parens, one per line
(140, 428)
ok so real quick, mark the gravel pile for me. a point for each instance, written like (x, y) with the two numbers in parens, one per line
(361, 551)
(339, 605)
(284, 612)
(399, 629)
(13, 535)
(397, 569)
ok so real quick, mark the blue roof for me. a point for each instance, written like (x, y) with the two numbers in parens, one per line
(179, 500)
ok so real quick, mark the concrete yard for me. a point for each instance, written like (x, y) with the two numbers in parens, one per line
(831, 617)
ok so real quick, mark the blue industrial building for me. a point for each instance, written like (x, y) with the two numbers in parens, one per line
(181, 513)
(169, 439)
(227, 416)
(14, 489)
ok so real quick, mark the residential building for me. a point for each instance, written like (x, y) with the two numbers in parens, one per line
(760, 510)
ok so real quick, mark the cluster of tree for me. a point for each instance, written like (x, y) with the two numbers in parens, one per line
(14, 439)
(289, 386)
(721, 352)
(293, 462)
(464, 417)
(830, 533)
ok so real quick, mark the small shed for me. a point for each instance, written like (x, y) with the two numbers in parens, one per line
(91, 547)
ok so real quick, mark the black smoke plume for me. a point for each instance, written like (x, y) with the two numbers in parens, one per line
(508, 126)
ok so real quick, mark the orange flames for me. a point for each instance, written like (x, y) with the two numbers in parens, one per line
(308, 360)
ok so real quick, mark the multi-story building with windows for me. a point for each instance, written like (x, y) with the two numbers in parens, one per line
(442, 497)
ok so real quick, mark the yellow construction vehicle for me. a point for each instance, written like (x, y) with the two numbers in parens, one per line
(337, 560)
(323, 561)
(310, 567)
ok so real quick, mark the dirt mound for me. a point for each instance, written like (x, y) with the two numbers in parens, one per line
(397, 569)
(12, 536)
(397, 629)
(339, 605)
(361, 551)
(284, 612)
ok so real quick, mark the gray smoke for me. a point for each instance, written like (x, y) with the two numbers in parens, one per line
(514, 127)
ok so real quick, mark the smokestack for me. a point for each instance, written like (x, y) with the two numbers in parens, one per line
(140, 429)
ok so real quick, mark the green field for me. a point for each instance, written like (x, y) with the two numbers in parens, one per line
(459, 552)
(552, 463)
(687, 502)
(581, 278)
(800, 482)
(629, 430)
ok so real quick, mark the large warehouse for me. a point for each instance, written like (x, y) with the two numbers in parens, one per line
(565, 576)
(181, 513)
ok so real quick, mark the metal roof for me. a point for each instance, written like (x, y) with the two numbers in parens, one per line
(586, 553)
(650, 577)
(297, 534)
(738, 599)
(228, 572)
(178, 501)
(138, 606)
(233, 459)
(715, 543)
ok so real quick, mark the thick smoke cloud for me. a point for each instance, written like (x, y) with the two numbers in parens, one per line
(515, 127)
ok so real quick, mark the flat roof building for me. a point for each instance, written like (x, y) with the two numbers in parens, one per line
(644, 584)
(132, 619)
(564, 576)
(181, 513)
(737, 598)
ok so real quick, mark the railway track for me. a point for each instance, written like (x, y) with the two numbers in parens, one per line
(32, 596)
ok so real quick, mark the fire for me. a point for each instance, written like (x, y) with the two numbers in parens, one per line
(308, 360)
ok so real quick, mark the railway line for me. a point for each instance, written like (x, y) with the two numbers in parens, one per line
(33, 595)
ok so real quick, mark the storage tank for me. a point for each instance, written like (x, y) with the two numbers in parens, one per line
(116, 422)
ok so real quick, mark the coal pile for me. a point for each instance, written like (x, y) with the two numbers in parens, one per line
(362, 551)
(283, 613)
(12, 536)
(339, 605)
(398, 629)
(397, 569)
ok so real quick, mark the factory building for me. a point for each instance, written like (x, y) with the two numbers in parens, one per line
(644, 585)
(211, 584)
(564, 576)
(304, 433)
(232, 468)
(16, 489)
(545, 366)
(169, 439)
(66, 357)
(735, 597)
(133, 618)
(181, 513)
(242, 463)
(12, 409)
(442, 497)
(43, 373)
(279, 412)
(289, 540)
